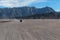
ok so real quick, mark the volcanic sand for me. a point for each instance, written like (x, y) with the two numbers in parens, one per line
(30, 29)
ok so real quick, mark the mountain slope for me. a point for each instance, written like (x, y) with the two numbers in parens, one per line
(22, 12)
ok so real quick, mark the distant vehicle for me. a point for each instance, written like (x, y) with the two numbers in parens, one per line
(20, 20)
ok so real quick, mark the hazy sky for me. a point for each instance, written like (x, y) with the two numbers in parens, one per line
(55, 4)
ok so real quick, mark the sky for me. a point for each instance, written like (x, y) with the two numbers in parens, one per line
(55, 4)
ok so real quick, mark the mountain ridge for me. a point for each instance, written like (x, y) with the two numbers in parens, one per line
(24, 12)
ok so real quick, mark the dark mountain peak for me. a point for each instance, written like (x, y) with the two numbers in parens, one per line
(45, 10)
(48, 9)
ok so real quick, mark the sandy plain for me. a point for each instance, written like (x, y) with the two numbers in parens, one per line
(30, 29)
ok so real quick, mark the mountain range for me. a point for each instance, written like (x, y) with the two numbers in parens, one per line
(29, 13)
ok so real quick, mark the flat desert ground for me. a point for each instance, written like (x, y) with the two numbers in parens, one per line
(30, 29)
